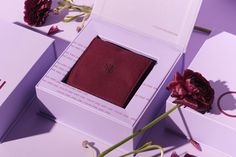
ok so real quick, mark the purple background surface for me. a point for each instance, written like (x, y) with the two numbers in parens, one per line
(217, 15)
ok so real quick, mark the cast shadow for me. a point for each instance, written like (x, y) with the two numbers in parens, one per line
(92, 145)
(55, 18)
(228, 103)
(31, 123)
(161, 135)
(168, 138)
(158, 135)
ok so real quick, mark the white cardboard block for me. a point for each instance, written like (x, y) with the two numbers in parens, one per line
(25, 57)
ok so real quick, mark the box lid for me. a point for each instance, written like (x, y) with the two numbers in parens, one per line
(169, 20)
(20, 49)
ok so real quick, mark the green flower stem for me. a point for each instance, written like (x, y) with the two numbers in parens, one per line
(71, 18)
(82, 6)
(149, 125)
(145, 147)
(67, 4)
(83, 22)
(83, 9)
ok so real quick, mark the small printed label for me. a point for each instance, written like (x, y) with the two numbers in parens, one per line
(2, 83)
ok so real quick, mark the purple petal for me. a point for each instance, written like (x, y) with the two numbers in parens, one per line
(187, 102)
(53, 30)
(196, 145)
(174, 154)
(189, 155)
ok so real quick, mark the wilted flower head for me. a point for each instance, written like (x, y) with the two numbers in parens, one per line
(36, 11)
(192, 90)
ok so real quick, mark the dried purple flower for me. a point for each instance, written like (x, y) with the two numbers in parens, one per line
(192, 90)
(36, 11)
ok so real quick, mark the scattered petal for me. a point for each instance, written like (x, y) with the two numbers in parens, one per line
(196, 145)
(189, 155)
(174, 154)
(53, 30)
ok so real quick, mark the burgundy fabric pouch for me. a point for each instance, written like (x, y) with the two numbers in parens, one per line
(110, 72)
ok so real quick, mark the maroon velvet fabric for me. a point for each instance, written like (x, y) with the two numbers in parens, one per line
(109, 72)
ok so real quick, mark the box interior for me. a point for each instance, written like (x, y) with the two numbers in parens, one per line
(120, 51)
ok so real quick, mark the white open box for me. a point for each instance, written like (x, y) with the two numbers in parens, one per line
(25, 57)
(216, 62)
(157, 29)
